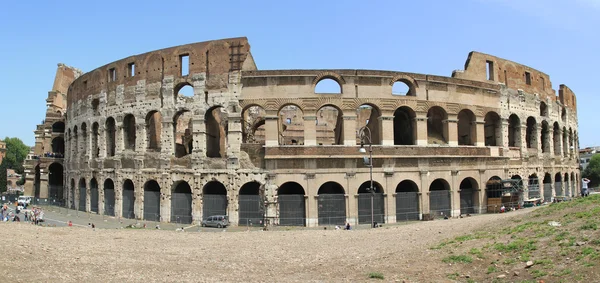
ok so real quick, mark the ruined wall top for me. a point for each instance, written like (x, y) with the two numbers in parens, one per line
(65, 75)
(215, 58)
(487, 68)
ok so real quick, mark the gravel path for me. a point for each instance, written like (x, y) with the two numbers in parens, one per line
(74, 254)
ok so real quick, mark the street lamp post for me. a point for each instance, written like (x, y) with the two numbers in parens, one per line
(364, 137)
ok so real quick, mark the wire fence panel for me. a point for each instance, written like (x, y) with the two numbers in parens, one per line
(72, 199)
(439, 203)
(55, 191)
(407, 206)
(575, 190)
(364, 208)
(94, 200)
(82, 199)
(534, 190)
(292, 211)
(251, 210)
(467, 203)
(547, 192)
(559, 189)
(109, 202)
(128, 204)
(566, 189)
(181, 208)
(152, 205)
(332, 209)
(214, 205)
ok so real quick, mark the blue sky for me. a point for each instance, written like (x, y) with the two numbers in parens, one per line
(560, 38)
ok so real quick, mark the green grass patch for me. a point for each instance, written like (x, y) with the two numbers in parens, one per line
(561, 236)
(491, 269)
(542, 261)
(588, 264)
(538, 273)
(476, 252)
(516, 245)
(589, 226)
(453, 276)
(564, 272)
(376, 275)
(509, 261)
(458, 259)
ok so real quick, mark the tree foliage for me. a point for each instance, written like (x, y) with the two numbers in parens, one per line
(592, 171)
(16, 152)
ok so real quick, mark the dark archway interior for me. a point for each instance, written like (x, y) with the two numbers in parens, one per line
(466, 128)
(404, 126)
(468, 184)
(364, 188)
(58, 145)
(250, 188)
(110, 137)
(331, 188)
(492, 129)
(407, 186)
(55, 180)
(152, 186)
(514, 131)
(290, 188)
(214, 188)
(439, 185)
(129, 132)
(436, 130)
(216, 132)
(58, 127)
(183, 188)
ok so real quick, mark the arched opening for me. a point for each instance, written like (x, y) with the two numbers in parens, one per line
(153, 130)
(466, 127)
(36, 181)
(405, 126)
(109, 197)
(543, 109)
(58, 147)
(468, 196)
(330, 125)
(369, 116)
(571, 147)
(111, 133)
(184, 90)
(332, 204)
(402, 88)
(55, 181)
(533, 186)
(328, 86)
(251, 205)
(368, 196)
(437, 128)
(545, 137)
(84, 135)
(94, 195)
(531, 134)
(556, 138)
(152, 201)
(290, 199)
(75, 142)
(514, 131)
(547, 187)
(407, 201)
(291, 125)
(558, 185)
(492, 129)
(565, 142)
(82, 194)
(58, 127)
(72, 194)
(253, 130)
(95, 147)
(216, 132)
(181, 203)
(493, 189)
(439, 198)
(128, 199)
(182, 131)
(214, 199)
(563, 115)
(129, 134)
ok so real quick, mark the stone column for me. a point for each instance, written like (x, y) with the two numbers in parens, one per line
(165, 198)
(523, 132)
(455, 194)
(421, 129)
(88, 194)
(119, 141)
(349, 130)
(480, 132)
(351, 199)
(504, 128)
(391, 201)
(101, 179)
(43, 184)
(307, 208)
(452, 130)
(102, 141)
(387, 127)
(424, 194)
(271, 129)
(138, 193)
(167, 140)
(559, 142)
(140, 139)
(234, 139)
(198, 136)
(310, 130)
(482, 194)
(550, 141)
(118, 186)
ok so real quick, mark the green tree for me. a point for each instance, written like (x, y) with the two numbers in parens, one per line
(3, 176)
(592, 171)
(16, 152)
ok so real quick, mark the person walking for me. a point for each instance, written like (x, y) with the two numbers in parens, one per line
(584, 187)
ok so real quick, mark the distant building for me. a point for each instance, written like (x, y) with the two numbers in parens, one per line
(2, 150)
(585, 155)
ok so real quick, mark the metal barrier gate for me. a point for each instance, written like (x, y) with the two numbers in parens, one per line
(558, 188)
(55, 191)
(439, 203)
(181, 208)
(152, 205)
(82, 199)
(407, 206)
(214, 205)
(109, 202)
(251, 210)
(292, 211)
(128, 203)
(467, 205)
(547, 192)
(364, 208)
(332, 209)
(94, 200)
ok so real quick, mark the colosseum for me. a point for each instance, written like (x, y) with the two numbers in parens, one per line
(183, 133)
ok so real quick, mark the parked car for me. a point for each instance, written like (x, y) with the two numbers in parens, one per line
(219, 221)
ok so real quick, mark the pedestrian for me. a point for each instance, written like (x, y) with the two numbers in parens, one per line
(584, 187)
(70, 224)
(347, 226)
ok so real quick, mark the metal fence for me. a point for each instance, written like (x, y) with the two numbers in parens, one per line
(534, 190)
(94, 200)
(251, 210)
(292, 211)
(366, 211)
(82, 198)
(152, 205)
(109, 202)
(558, 189)
(214, 205)
(547, 192)
(181, 208)
(128, 204)
(332, 209)
(439, 203)
(407, 206)
(55, 191)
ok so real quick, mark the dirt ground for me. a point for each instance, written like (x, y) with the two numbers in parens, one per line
(75, 254)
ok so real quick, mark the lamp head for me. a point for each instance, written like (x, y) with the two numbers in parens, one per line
(362, 149)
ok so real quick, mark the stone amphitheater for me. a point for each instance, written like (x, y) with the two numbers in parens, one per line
(184, 133)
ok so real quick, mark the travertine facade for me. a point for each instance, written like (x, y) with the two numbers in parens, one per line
(251, 143)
